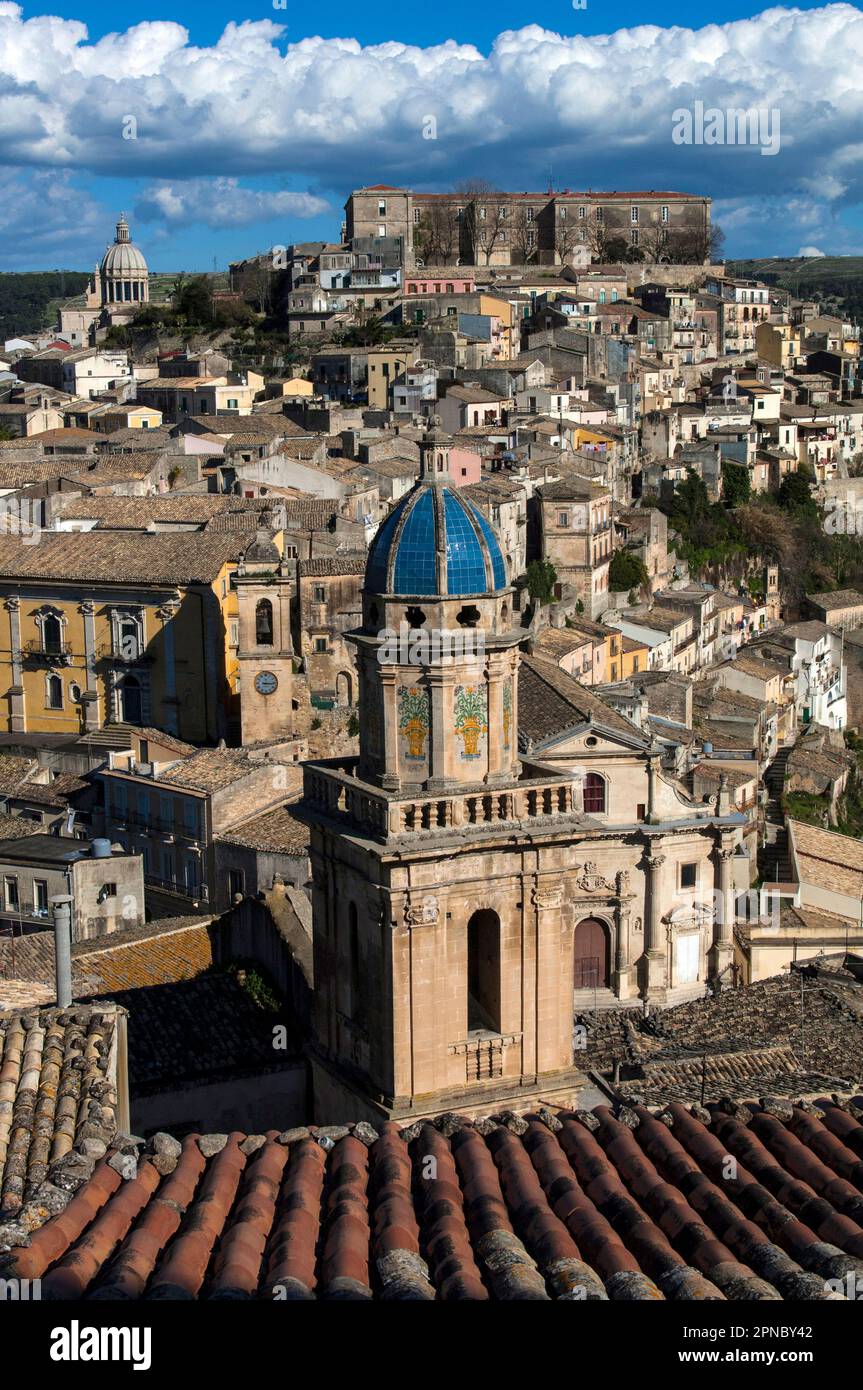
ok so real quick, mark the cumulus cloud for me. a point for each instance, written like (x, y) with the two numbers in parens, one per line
(810, 251)
(45, 219)
(335, 113)
(222, 202)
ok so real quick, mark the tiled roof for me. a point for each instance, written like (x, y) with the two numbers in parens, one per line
(551, 701)
(664, 1053)
(587, 1205)
(278, 831)
(140, 512)
(839, 598)
(827, 859)
(204, 1028)
(52, 1063)
(109, 556)
(210, 769)
(18, 827)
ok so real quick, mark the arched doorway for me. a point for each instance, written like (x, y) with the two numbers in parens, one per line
(592, 952)
(483, 971)
(344, 689)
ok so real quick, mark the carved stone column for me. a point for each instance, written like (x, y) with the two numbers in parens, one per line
(656, 951)
(623, 979)
(553, 983)
(722, 949)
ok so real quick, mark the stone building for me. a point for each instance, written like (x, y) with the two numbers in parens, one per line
(504, 846)
(329, 604)
(120, 285)
(552, 228)
(578, 538)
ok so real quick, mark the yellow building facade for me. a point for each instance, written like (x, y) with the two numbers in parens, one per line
(154, 649)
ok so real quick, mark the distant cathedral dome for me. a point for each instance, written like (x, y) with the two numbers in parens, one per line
(123, 272)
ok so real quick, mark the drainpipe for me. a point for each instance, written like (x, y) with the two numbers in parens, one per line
(62, 909)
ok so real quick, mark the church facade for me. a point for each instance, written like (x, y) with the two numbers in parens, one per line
(505, 849)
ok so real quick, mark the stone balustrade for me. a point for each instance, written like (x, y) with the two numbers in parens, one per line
(337, 792)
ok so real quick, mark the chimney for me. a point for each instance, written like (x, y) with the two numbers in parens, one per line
(62, 910)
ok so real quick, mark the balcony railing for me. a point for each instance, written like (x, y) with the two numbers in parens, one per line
(136, 655)
(339, 793)
(52, 653)
(197, 891)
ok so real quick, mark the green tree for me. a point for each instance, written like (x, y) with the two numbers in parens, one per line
(192, 299)
(736, 484)
(541, 579)
(626, 571)
(795, 491)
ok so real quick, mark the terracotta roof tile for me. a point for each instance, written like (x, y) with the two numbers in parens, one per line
(618, 1203)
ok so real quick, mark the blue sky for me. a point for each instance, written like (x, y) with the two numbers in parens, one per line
(222, 131)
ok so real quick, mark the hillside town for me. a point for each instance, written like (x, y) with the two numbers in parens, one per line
(431, 768)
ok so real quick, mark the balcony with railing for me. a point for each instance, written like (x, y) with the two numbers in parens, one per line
(336, 790)
(124, 654)
(47, 651)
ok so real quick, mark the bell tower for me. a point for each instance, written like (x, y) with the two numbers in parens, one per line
(443, 967)
(265, 652)
(437, 656)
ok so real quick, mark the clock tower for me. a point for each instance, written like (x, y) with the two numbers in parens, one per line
(265, 652)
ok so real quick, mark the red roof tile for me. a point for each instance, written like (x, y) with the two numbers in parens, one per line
(617, 1204)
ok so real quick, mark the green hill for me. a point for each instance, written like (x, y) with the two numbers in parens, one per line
(28, 300)
(837, 281)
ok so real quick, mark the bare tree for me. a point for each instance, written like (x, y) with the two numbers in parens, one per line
(485, 216)
(654, 242)
(696, 245)
(437, 234)
(523, 235)
(598, 236)
(565, 238)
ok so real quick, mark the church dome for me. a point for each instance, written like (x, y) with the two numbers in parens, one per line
(435, 542)
(123, 260)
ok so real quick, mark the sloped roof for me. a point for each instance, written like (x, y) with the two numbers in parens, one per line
(573, 1205)
(551, 701)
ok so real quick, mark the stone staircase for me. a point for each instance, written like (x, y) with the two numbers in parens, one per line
(774, 862)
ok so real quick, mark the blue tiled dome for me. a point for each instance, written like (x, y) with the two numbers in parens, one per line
(435, 542)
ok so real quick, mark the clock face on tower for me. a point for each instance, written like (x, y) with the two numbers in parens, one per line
(265, 682)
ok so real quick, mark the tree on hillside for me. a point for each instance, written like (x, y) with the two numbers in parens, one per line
(192, 299)
(736, 483)
(626, 571)
(541, 579)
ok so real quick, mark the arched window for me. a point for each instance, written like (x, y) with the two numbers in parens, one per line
(483, 972)
(52, 634)
(54, 692)
(594, 793)
(264, 623)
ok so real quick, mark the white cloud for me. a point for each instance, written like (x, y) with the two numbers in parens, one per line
(45, 220)
(222, 202)
(810, 251)
(334, 113)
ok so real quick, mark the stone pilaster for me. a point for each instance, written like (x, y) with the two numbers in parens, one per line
(654, 981)
(166, 616)
(17, 712)
(90, 702)
(722, 949)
